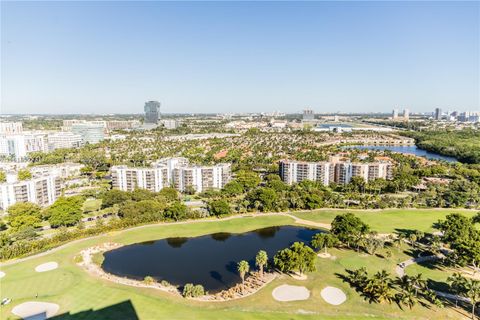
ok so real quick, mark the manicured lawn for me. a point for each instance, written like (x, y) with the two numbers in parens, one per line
(88, 297)
(389, 220)
(92, 205)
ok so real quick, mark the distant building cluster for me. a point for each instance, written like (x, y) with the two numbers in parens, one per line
(336, 170)
(308, 115)
(404, 117)
(43, 188)
(467, 116)
(171, 172)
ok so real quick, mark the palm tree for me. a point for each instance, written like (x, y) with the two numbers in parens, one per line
(456, 282)
(243, 267)
(472, 288)
(261, 260)
(418, 283)
(408, 298)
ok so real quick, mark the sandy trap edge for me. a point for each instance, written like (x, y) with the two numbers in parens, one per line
(333, 296)
(287, 292)
(52, 265)
(41, 310)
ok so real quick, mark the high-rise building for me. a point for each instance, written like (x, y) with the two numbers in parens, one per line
(406, 114)
(90, 133)
(63, 140)
(152, 112)
(11, 128)
(42, 190)
(174, 172)
(438, 114)
(308, 115)
(18, 146)
(395, 114)
(337, 171)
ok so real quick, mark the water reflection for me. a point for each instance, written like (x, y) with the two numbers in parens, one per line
(176, 242)
(221, 236)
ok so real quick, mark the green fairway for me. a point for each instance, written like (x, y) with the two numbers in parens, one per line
(389, 220)
(87, 297)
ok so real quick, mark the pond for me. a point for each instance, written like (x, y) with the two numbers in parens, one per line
(209, 260)
(409, 150)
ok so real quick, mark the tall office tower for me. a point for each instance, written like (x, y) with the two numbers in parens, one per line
(406, 114)
(152, 112)
(308, 115)
(438, 114)
(395, 114)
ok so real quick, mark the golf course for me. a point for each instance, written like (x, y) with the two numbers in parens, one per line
(60, 280)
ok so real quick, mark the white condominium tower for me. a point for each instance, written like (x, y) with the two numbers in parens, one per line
(333, 171)
(297, 171)
(42, 190)
(171, 172)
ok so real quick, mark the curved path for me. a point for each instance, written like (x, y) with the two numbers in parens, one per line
(238, 216)
(400, 270)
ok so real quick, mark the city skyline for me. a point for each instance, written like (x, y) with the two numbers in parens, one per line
(234, 57)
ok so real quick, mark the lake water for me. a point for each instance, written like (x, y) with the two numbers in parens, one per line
(209, 260)
(409, 150)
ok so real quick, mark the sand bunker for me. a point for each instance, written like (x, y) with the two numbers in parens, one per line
(324, 255)
(2, 274)
(287, 292)
(34, 310)
(46, 266)
(333, 296)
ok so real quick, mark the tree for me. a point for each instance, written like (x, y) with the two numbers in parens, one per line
(113, 197)
(24, 174)
(348, 228)
(243, 267)
(298, 257)
(261, 260)
(248, 179)
(324, 241)
(176, 211)
(65, 211)
(148, 280)
(466, 287)
(233, 188)
(145, 210)
(3, 176)
(263, 198)
(24, 215)
(219, 208)
(170, 194)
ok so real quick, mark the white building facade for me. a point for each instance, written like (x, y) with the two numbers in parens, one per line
(171, 172)
(340, 172)
(42, 190)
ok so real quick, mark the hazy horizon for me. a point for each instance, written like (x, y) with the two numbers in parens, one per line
(239, 57)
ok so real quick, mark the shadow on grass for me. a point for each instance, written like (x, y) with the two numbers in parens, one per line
(123, 310)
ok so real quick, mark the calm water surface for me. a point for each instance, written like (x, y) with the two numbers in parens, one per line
(409, 150)
(209, 260)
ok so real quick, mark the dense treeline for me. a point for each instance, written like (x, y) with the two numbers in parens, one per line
(461, 144)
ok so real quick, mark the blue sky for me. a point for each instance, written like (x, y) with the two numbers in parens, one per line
(111, 57)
